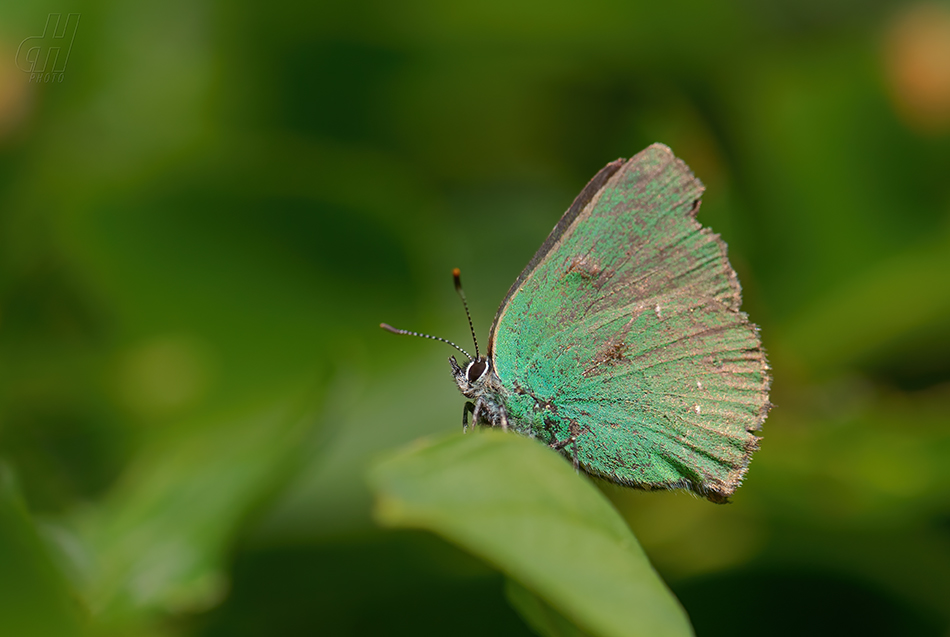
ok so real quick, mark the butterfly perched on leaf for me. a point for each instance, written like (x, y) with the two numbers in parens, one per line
(621, 344)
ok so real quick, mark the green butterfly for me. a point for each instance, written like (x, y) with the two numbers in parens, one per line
(621, 344)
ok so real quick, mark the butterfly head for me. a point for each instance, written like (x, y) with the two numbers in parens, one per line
(472, 378)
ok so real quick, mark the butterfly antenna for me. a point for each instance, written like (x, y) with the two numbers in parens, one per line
(457, 275)
(390, 328)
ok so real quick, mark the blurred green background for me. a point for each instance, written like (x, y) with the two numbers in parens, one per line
(203, 223)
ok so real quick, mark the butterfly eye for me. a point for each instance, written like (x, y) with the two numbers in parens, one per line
(477, 369)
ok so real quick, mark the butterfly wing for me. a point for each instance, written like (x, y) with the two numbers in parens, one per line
(625, 331)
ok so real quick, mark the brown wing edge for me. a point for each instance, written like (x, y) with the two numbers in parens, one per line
(586, 195)
(720, 491)
(590, 190)
(594, 186)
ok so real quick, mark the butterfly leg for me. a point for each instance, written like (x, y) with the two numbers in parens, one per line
(558, 445)
(504, 418)
(466, 408)
(477, 410)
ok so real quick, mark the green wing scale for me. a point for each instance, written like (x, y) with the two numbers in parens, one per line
(624, 333)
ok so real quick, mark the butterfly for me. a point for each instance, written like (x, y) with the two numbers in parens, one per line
(621, 343)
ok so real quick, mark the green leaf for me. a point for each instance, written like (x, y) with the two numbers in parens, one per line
(34, 598)
(159, 540)
(540, 616)
(521, 507)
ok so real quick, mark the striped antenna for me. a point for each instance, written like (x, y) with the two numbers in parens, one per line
(457, 275)
(390, 328)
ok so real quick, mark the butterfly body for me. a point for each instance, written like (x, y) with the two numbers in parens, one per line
(517, 409)
(622, 344)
